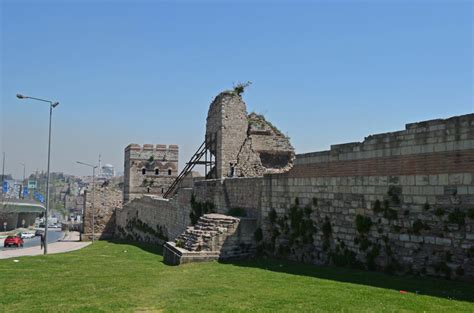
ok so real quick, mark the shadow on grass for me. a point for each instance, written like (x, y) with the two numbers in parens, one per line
(437, 287)
(148, 247)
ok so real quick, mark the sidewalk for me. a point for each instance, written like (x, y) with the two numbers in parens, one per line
(69, 243)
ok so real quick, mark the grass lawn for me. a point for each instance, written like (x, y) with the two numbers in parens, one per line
(103, 278)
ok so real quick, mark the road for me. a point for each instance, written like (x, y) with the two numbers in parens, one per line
(53, 236)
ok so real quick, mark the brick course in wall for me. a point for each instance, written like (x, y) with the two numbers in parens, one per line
(418, 164)
(428, 230)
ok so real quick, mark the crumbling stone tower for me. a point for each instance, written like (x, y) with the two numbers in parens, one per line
(244, 145)
(226, 131)
(149, 170)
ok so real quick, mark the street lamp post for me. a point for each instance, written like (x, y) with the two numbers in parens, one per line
(24, 170)
(52, 105)
(3, 170)
(93, 194)
(23, 182)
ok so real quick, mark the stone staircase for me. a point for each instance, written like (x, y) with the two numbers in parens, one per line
(209, 233)
(215, 236)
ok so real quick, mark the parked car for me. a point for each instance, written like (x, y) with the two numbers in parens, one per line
(26, 235)
(13, 241)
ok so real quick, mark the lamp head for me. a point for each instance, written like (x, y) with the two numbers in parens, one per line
(55, 104)
(20, 96)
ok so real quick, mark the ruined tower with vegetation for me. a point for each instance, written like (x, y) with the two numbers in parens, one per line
(244, 145)
(400, 202)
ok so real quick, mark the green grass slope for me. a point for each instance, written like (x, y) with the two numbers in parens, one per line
(117, 277)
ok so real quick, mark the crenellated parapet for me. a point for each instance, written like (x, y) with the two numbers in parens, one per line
(159, 151)
(149, 169)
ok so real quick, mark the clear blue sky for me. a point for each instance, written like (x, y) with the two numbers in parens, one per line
(145, 71)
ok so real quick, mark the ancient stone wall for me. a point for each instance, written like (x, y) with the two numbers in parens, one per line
(226, 194)
(149, 170)
(107, 199)
(401, 201)
(265, 151)
(153, 219)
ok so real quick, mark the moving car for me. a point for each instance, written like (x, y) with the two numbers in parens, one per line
(13, 241)
(27, 235)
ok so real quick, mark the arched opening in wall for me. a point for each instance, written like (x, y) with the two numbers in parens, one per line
(169, 172)
(148, 190)
(143, 171)
(275, 159)
(157, 171)
(162, 190)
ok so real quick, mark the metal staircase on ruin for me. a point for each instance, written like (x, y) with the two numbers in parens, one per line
(208, 162)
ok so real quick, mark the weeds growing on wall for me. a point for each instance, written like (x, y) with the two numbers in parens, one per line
(393, 199)
(179, 243)
(439, 212)
(394, 192)
(258, 235)
(418, 226)
(457, 217)
(239, 88)
(470, 213)
(237, 212)
(363, 224)
(135, 224)
(259, 121)
(272, 216)
(426, 206)
(292, 236)
(377, 207)
(198, 209)
(371, 255)
(297, 229)
(341, 256)
(327, 232)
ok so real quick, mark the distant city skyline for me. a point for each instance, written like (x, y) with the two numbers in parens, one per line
(145, 72)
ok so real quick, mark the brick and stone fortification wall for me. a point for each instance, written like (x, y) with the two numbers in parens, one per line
(401, 201)
(169, 218)
(226, 194)
(107, 200)
(149, 170)
(153, 219)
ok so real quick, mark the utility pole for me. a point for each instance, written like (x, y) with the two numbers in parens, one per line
(3, 170)
(52, 105)
(24, 171)
(100, 166)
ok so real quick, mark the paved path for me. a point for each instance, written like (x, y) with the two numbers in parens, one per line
(69, 243)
